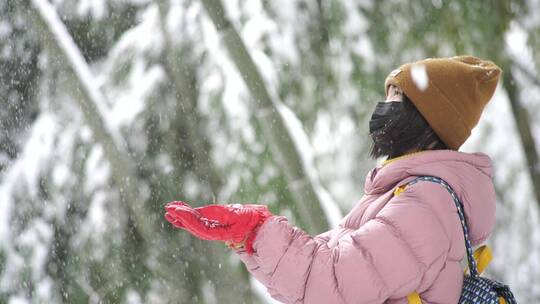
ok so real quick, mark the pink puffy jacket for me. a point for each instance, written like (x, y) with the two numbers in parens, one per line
(387, 246)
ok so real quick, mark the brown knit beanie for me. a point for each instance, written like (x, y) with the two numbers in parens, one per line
(450, 93)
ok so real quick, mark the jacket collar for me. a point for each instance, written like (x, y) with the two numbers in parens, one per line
(442, 163)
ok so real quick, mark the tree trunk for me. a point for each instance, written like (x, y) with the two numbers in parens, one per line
(56, 38)
(523, 123)
(307, 199)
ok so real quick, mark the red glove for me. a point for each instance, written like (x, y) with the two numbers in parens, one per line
(233, 224)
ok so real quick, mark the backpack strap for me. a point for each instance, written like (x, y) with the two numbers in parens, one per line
(478, 261)
(459, 206)
(482, 256)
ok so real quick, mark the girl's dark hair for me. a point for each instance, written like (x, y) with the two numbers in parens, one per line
(409, 130)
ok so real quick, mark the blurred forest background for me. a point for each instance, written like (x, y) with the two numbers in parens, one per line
(112, 108)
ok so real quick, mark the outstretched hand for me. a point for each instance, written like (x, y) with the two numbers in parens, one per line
(233, 223)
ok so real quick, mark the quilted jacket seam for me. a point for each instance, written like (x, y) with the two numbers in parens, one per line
(315, 251)
(438, 274)
(367, 254)
(271, 275)
(385, 221)
(425, 267)
(439, 220)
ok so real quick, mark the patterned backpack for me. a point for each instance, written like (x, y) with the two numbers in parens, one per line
(476, 289)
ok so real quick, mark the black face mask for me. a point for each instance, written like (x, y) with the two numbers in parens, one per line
(384, 114)
(397, 127)
(388, 129)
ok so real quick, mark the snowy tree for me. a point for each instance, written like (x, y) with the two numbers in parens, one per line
(115, 107)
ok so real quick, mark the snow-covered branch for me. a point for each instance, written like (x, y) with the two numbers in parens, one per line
(315, 206)
(182, 74)
(56, 38)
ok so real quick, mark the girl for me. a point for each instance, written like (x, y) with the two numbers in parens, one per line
(399, 241)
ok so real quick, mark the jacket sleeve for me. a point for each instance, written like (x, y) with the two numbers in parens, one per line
(387, 257)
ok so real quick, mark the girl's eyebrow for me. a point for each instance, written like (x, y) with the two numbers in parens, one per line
(397, 90)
